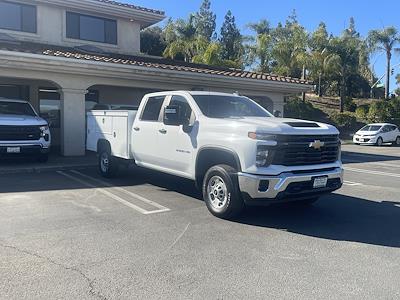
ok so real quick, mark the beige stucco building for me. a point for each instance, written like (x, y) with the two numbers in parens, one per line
(66, 56)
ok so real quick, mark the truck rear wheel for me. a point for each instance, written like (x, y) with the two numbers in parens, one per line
(221, 192)
(108, 166)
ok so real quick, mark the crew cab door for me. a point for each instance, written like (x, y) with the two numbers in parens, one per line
(145, 132)
(179, 141)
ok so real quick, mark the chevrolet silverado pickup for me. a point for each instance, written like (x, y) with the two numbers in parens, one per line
(22, 131)
(235, 150)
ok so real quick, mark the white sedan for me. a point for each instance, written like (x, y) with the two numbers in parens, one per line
(377, 134)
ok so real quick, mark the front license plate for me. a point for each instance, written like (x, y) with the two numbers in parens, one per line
(13, 149)
(320, 182)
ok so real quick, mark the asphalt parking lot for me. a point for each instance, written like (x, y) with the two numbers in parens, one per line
(73, 235)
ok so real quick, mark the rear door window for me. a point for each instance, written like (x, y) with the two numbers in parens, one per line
(152, 109)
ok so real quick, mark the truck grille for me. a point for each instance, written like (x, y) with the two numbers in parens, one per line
(19, 133)
(296, 150)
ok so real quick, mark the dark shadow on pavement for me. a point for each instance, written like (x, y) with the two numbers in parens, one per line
(358, 157)
(334, 217)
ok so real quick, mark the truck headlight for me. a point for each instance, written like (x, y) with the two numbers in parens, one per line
(45, 132)
(44, 128)
(261, 136)
(262, 156)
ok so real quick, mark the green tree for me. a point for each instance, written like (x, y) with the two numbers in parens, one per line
(397, 91)
(289, 49)
(385, 40)
(231, 40)
(183, 41)
(152, 41)
(318, 44)
(343, 61)
(259, 51)
(204, 21)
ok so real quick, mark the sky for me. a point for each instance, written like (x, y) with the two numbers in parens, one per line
(335, 13)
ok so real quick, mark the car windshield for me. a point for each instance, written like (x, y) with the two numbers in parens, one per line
(371, 128)
(216, 106)
(16, 108)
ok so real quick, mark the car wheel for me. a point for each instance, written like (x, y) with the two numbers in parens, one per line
(108, 166)
(397, 141)
(379, 141)
(43, 158)
(221, 192)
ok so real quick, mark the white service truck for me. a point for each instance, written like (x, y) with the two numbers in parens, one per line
(235, 150)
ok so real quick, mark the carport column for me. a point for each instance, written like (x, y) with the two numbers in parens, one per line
(73, 122)
(34, 96)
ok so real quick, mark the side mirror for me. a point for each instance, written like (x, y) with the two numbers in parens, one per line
(172, 115)
(277, 113)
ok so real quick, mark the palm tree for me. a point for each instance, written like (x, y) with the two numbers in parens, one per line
(343, 61)
(385, 40)
(260, 49)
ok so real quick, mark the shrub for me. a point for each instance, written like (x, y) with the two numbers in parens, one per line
(296, 108)
(344, 120)
(349, 105)
(380, 111)
(362, 112)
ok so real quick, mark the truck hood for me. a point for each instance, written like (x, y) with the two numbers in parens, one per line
(281, 125)
(21, 120)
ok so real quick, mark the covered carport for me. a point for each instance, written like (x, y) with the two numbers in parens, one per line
(69, 82)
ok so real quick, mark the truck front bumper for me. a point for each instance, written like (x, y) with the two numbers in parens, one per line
(261, 189)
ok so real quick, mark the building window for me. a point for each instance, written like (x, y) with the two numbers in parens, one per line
(18, 17)
(89, 28)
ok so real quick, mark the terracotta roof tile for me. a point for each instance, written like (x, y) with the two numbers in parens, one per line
(127, 5)
(144, 61)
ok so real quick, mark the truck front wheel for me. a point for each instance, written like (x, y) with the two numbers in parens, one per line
(108, 166)
(221, 192)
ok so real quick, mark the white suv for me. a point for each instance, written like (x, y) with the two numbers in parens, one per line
(22, 131)
(377, 134)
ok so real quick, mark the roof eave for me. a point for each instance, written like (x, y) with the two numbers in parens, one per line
(145, 18)
(93, 68)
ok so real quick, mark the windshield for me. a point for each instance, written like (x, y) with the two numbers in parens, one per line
(216, 106)
(371, 128)
(16, 108)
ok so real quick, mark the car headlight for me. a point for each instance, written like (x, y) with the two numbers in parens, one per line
(262, 156)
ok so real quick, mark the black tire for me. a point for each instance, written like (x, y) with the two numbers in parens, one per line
(108, 165)
(379, 142)
(43, 158)
(397, 142)
(224, 178)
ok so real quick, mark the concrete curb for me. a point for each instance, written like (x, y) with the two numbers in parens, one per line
(42, 169)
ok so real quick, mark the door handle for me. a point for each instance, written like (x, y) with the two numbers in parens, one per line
(136, 128)
(163, 131)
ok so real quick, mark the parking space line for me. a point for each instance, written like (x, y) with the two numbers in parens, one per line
(150, 202)
(113, 196)
(365, 171)
(351, 183)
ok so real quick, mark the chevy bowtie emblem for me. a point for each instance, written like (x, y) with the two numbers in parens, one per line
(317, 144)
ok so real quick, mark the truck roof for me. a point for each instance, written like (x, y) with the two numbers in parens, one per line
(12, 100)
(192, 93)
